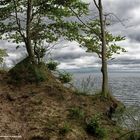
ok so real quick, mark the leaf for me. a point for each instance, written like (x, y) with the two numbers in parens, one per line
(17, 47)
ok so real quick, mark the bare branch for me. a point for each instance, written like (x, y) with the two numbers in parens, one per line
(99, 55)
(97, 6)
(116, 18)
(127, 134)
(53, 46)
(83, 22)
(18, 22)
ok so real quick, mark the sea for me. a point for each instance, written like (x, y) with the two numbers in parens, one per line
(124, 84)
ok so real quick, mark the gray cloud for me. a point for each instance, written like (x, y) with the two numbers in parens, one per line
(75, 57)
(134, 35)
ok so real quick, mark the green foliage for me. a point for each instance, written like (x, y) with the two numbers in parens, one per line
(25, 72)
(2, 55)
(65, 77)
(76, 113)
(40, 53)
(52, 65)
(47, 22)
(65, 129)
(93, 126)
(38, 74)
(92, 40)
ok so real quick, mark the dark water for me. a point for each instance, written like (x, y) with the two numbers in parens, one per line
(125, 86)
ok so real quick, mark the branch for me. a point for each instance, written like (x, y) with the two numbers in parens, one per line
(99, 55)
(18, 22)
(116, 18)
(127, 134)
(97, 6)
(82, 21)
(53, 46)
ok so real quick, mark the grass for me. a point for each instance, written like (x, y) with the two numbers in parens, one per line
(65, 129)
(45, 106)
(76, 113)
(78, 92)
(84, 87)
(93, 126)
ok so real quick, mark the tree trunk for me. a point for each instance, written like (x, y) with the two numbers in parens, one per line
(28, 35)
(105, 86)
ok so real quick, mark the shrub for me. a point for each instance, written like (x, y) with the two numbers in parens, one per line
(39, 53)
(65, 77)
(65, 129)
(52, 65)
(76, 113)
(2, 55)
(93, 126)
(25, 72)
(40, 74)
(101, 133)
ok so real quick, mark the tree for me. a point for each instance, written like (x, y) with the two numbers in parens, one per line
(97, 39)
(105, 86)
(33, 22)
(104, 40)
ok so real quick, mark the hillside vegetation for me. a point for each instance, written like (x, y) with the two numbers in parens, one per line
(47, 110)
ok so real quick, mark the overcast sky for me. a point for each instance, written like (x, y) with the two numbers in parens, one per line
(74, 57)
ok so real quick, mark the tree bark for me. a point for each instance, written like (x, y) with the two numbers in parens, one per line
(104, 69)
(28, 35)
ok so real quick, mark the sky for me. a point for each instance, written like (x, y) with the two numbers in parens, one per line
(71, 56)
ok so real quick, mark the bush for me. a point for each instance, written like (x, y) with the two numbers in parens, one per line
(39, 53)
(101, 133)
(94, 127)
(65, 77)
(2, 55)
(52, 65)
(65, 129)
(76, 113)
(25, 72)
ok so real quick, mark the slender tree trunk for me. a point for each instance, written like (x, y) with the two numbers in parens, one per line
(28, 35)
(105, 86)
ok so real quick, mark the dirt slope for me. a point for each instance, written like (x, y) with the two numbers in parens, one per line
(39, 112)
